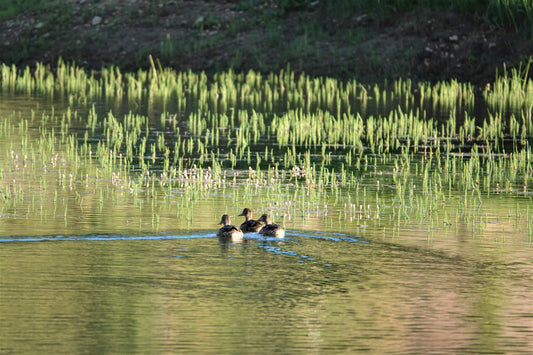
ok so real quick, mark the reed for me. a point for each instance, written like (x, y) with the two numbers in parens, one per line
(294, 142)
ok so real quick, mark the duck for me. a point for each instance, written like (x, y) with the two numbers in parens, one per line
(270, 229)
(228, 231)
(250, 225)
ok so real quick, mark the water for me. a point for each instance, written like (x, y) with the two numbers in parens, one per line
(307, 293)
(91, 262)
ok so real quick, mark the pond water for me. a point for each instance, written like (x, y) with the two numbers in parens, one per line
(387, 256)
(311, 292)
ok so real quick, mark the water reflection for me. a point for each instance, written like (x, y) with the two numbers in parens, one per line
(331, 293)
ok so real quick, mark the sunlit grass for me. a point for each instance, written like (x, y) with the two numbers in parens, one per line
(294, 145)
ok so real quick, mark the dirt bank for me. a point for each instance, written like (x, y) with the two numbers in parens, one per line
(217, 35)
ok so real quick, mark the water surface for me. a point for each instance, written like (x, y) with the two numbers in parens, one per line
(321, 292)
(415, 249)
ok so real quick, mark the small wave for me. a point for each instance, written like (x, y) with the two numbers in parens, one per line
(115, 237)
(101, 237)
(337, 237)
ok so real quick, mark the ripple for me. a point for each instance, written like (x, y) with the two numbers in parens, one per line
(101, 237)
(250, 236)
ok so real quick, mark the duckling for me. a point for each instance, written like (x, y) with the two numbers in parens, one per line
(227, 230)
(249, 225)
(270, 229)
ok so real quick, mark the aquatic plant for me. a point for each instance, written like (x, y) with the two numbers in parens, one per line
(300, 146)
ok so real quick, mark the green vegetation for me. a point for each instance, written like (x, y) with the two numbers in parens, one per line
(54, 19)
(10, 8)
(501, 11)
(291, 141)
(518, 13)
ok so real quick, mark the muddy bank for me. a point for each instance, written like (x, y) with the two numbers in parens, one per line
(213, 36)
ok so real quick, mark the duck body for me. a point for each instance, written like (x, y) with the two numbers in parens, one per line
(270, 229)
(250, 225)
(228, 231)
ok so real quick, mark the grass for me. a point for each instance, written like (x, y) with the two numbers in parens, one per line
(296, 144)
(518, 13)
(11, 8)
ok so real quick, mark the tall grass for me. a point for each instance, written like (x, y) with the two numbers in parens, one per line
(518, 13)
(284, 138)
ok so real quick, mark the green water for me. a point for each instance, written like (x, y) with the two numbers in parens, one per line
(322, 293)
(404, 251)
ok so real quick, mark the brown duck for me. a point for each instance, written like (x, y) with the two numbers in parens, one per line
(272, 230)
(227, 230)
(249, 225)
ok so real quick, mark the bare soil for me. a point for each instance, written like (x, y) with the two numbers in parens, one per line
(210, 36)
